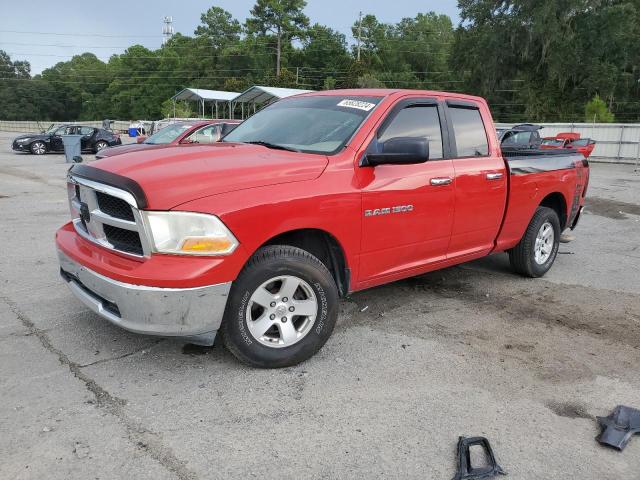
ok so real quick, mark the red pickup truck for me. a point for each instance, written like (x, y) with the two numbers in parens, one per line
(312, 198)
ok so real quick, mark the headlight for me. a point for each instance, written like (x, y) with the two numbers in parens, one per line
(23, 140)
(188, 233)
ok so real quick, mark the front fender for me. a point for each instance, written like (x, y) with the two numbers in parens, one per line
(257, 215)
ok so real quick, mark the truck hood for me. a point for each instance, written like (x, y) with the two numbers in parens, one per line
(172, 176)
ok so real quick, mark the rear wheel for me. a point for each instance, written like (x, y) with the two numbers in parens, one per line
(282, 308)
(537, 250)
(38, 148)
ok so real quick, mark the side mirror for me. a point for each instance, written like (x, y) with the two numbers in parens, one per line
(399, 151)
(77, 159)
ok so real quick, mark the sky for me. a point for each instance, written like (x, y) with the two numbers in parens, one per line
(71, 27)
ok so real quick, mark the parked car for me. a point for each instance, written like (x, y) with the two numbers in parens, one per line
(93, 139)
(180, 133)
(311, 198)
(569, 140)
(525, 135)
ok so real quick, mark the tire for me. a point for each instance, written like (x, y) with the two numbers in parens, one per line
(101, 145)
(538, 248)
(38, 148)
(259, 326)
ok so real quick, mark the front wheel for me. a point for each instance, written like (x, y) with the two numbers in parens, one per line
(101, 146)
(538, 248)
(38, 148)
(282, 308)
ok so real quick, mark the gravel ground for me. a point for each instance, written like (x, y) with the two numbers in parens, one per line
(470, 350)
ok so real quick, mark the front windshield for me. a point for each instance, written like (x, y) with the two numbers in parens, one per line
(314, 124)
(51, 129)
(168, 134)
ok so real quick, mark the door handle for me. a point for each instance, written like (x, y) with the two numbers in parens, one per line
(441, 181)
(494, 176)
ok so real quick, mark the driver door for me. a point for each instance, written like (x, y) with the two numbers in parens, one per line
(56, 138)
(407, 210)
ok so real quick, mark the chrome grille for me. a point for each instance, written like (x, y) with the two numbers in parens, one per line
(107, 216)
(116, 207)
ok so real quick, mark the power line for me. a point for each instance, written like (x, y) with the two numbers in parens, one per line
(82, 34)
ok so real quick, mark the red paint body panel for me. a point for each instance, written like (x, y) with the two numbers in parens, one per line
(173, 176)
(260, 193)
(526, 193)
(140, 145)
(166, 271)
(568, 140)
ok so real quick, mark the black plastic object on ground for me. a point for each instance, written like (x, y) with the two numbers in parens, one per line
(619, 427)
(465, 470)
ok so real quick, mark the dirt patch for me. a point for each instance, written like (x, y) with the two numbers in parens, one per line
(504, 295)
(569, 410)
(18, 173)
(521, 347)
(614, 209)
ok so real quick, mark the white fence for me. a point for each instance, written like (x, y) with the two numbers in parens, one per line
(615, 142)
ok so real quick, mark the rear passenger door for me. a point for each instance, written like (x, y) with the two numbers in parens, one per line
(87, 135)
(480, 180)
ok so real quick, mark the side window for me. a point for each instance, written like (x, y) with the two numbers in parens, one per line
(208, 134)
(535, 137)
(86, 131)
(416, 121)
(470, 135)
(522, 138)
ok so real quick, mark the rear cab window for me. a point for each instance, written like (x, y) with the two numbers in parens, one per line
(468, 130)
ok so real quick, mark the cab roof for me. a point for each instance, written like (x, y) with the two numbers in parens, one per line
(388, 92)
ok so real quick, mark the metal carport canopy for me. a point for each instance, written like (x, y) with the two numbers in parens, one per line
(260, 94)
(199, 94)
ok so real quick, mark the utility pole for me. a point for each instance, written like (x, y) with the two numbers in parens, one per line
(297, 74)
(359, 33)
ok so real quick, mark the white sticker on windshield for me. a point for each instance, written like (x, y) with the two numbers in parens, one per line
(366, 106)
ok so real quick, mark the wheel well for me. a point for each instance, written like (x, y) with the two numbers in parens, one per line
(557, 202)
(322, 245)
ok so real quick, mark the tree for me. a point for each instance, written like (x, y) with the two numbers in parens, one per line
(596, 111)
(219, 27)
(540, 61)
(372, 34)
(282, 18)
(324, 52)
(177, 110)
(369, 81)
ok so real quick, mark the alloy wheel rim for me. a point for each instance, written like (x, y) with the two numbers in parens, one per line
(281, 311)
(38, 148)
(544, 243)
(101, 146)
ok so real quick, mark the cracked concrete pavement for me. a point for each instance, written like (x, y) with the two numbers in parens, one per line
(471, 350)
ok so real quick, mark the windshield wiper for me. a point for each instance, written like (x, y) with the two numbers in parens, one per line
(275, 146)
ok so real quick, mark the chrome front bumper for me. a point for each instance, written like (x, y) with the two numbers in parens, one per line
(173, 312)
